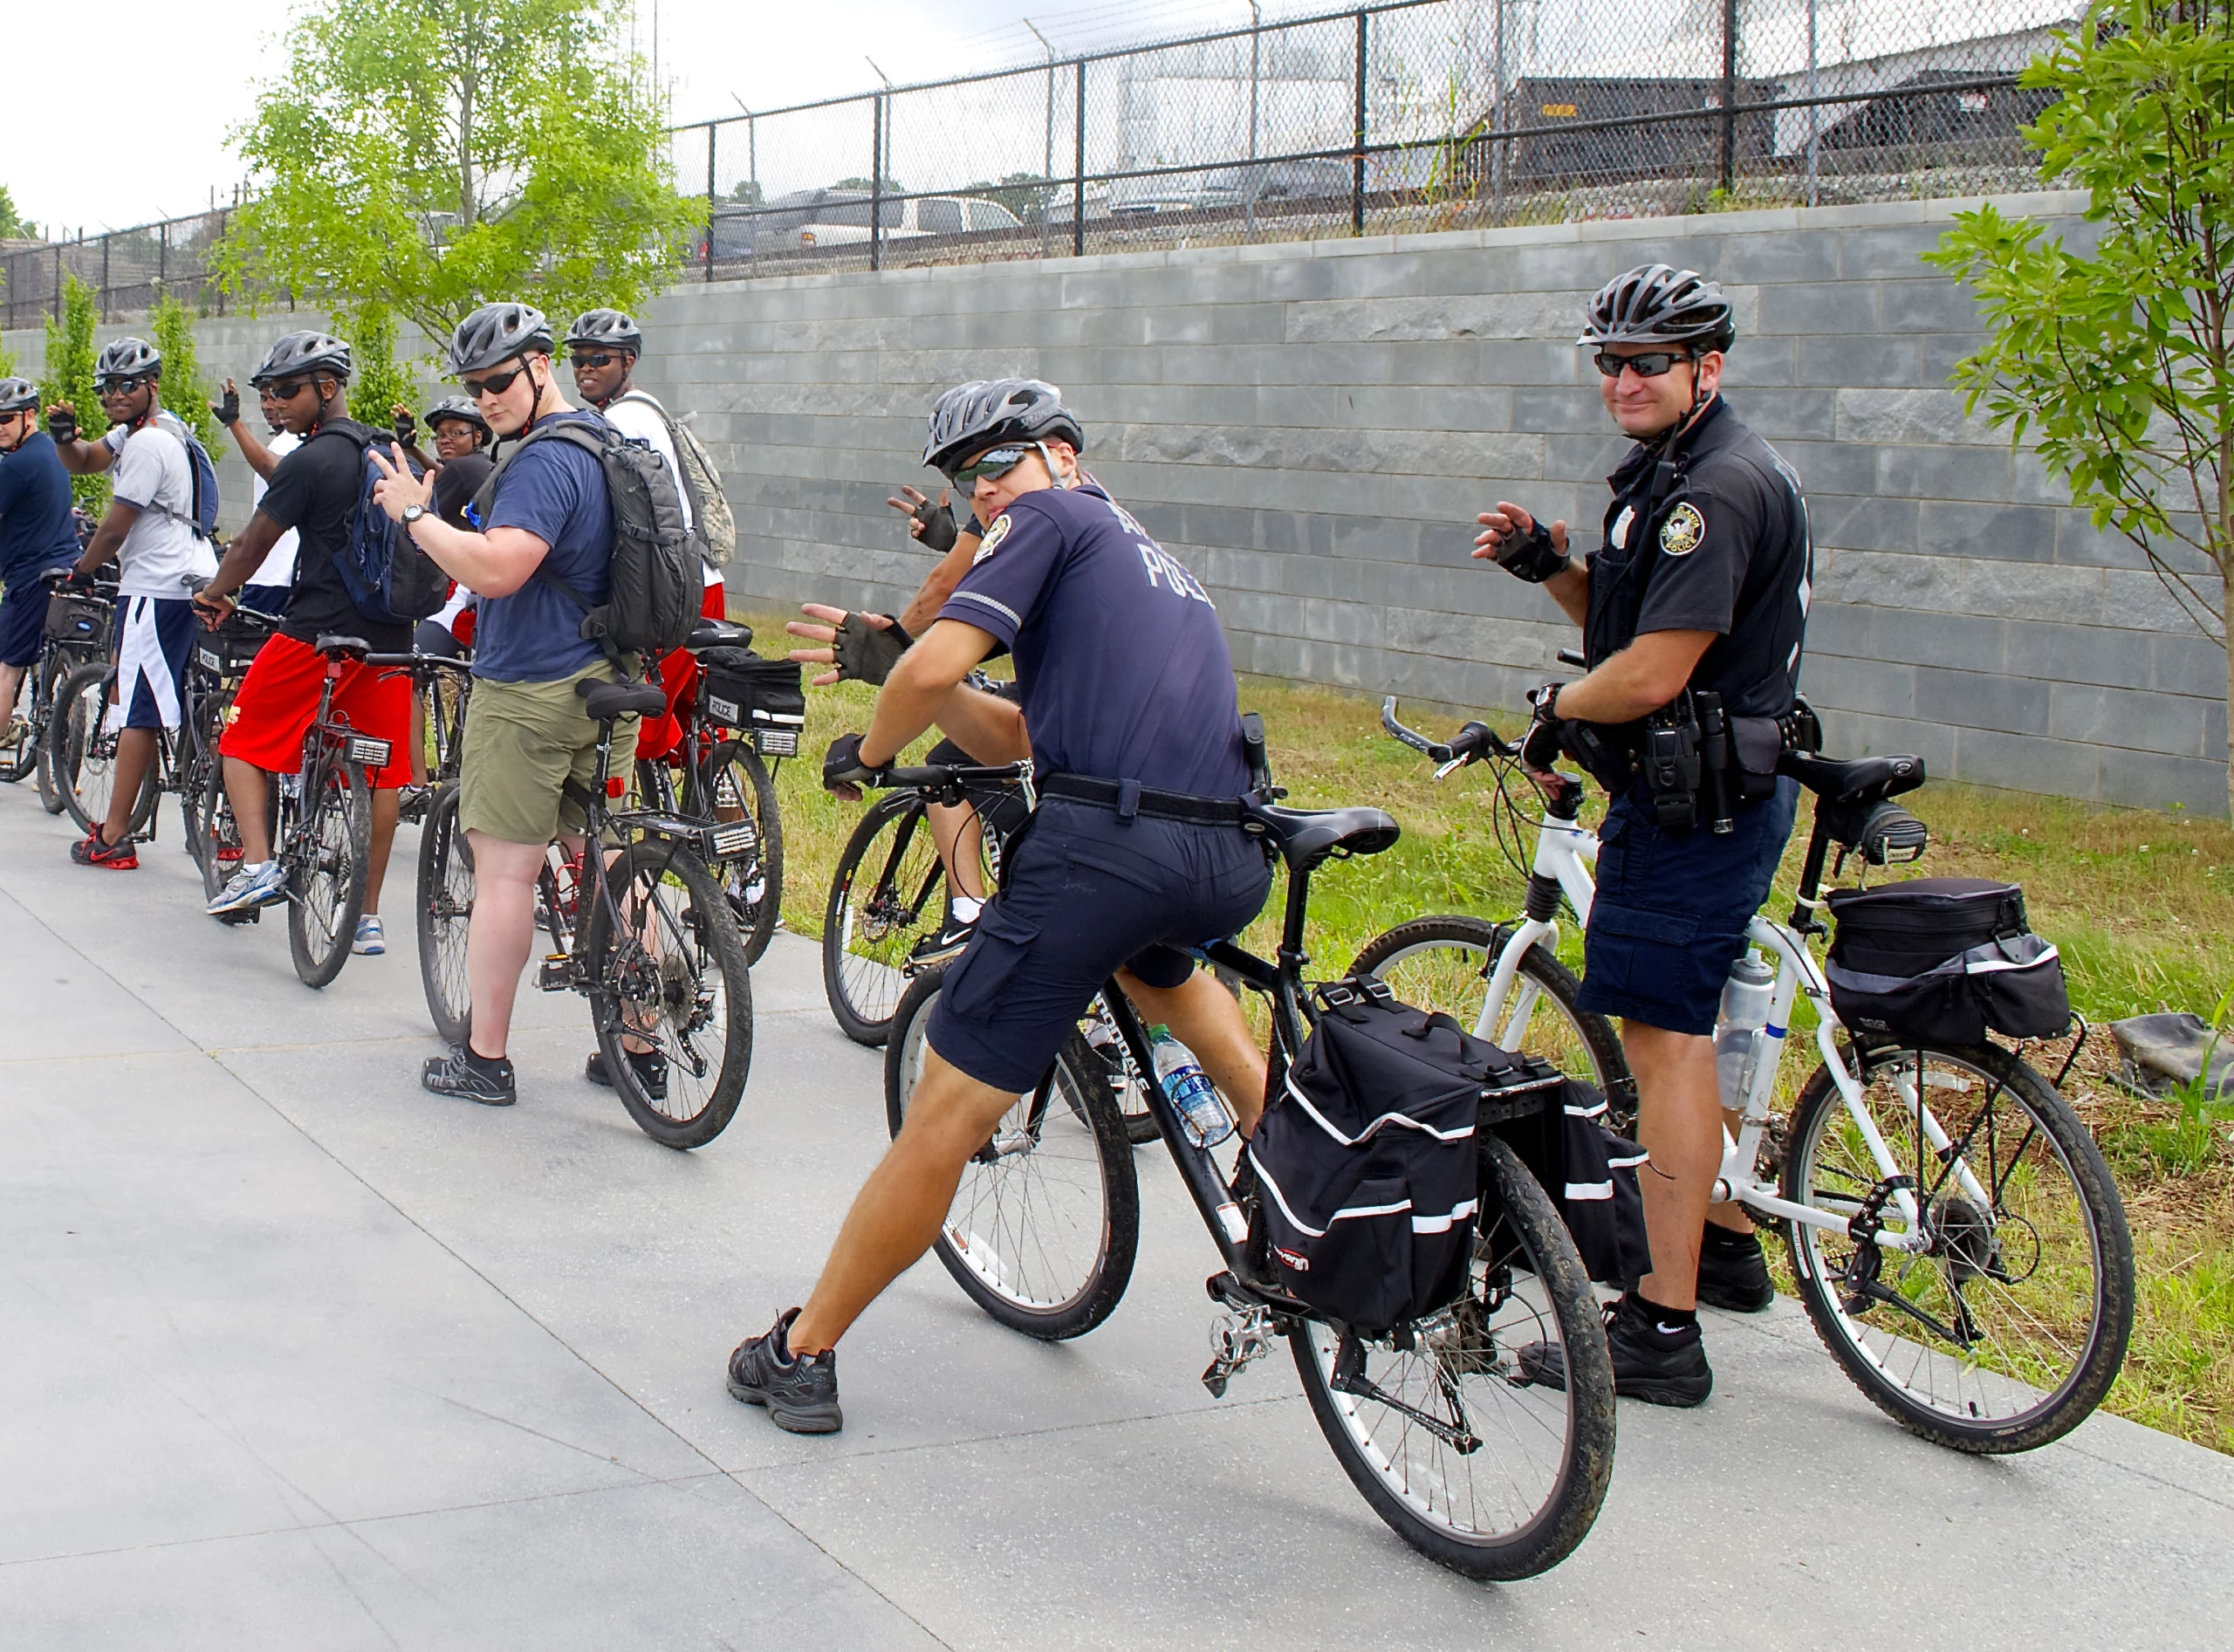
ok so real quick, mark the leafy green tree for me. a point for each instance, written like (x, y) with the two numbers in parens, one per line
(428, 155)
(69, 377)
(12, 226)
(186, 393)
(377, 383)
(2119, 361)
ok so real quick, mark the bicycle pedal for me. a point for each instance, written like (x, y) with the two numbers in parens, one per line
(555, 975)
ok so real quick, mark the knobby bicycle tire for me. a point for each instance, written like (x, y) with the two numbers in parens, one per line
(735, 780)
(328, 858)
(1045, 1223)
(1521, 1250)
(23, 756)
(442, 909)
(1990, 1267)
(50, 794)
(84, 753)
(880, 895)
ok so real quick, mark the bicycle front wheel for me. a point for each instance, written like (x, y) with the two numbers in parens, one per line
(444, 903)
(737, 788)
(84, 757)
(666, 972)
(888, 892)
(1045, 1220)
(48, 722)
(2010, 1324)
(328, 855)
(1466, 1462)
(1445, 963)
(22, 755)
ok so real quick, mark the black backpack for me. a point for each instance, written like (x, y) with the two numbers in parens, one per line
(654, 587)
(1942, 960)
(1367, 1158)
(390, 580)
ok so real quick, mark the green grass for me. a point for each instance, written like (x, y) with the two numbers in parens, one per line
(2141, 905)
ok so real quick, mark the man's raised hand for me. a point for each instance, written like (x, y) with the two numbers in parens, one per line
(397, 489)
(1521, 546)
(859, 648)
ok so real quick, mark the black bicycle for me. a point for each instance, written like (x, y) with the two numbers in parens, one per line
(221, 659)
(76, 633)
(1432, 1422)
(639, 927)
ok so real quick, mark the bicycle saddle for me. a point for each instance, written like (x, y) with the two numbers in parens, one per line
(1854, 780)
(336, 644)
(1305, 837)
(605, 700)
(719, 634)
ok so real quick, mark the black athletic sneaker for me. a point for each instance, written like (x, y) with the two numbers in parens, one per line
(1649, 1364)
(1733, 1272)
(944, 942)
(651, 1072)
(800, 1391)
(470, 1077)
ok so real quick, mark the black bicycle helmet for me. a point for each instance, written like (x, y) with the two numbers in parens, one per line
(1659, 304)
(127, 358)
(606, 327)
(298, 355)
(463, 411)
(497, 333)
(17, 396)
(986, 412)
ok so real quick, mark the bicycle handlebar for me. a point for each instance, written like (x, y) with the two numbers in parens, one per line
(1465, 747)
(414, 660)
(935, 777)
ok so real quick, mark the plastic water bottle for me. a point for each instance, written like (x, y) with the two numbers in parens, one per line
(1737, 1034)
(1190, 1088)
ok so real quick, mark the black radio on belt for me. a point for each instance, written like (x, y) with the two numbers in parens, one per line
(1671, 763)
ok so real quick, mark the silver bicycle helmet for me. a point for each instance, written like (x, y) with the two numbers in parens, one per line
(606, 327)
(17, 396)
(126, 359)
(296, 355)
(497, 333)
(463, 411)
(1659, 304)
(986, 412)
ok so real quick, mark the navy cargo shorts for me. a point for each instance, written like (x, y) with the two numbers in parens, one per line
(1082, 895)
(1670, 916)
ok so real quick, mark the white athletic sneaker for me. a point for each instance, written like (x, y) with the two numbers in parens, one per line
(260, 885)
(370, 941)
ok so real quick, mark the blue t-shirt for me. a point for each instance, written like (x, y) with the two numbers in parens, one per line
(1123, 663)
(34, 529)
(556, 491)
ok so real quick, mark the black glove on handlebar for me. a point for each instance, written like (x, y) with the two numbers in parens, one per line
(228, 406)
(1531, 556)
(937, 524)
(842, 764)
(1541, 747)
(62, 425)
(865, 652)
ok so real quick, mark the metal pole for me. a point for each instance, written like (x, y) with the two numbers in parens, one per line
(1077, 177)
(876, 181)
(1729, 96)
(1357, 159)
(1256, 61)
(57, 281)
(163, 253)
(1814, 110)
(105, 304)
(1497, 146)
(713, 194)
(1047, 165)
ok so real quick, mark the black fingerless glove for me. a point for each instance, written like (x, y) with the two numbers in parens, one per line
(842, 764)
(865, 653)
(938, 528)
(227, 407)
(406, 429)
(1531, 556)
(62, 425)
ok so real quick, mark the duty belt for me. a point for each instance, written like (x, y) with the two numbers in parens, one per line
(1128, 798)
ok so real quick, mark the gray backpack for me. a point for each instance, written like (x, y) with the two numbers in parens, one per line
(710, 507)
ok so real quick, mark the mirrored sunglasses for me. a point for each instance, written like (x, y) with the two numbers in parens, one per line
(990, 466)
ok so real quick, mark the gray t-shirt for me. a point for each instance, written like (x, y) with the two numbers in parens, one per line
(152, 474)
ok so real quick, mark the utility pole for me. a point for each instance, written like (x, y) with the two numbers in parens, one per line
(1047, 166)
(1255, 62)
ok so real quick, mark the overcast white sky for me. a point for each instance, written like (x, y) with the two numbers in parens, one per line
(71, 70)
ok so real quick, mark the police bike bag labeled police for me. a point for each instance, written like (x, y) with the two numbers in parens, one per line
(1368, 1161)
(1942, 960)
(747, 693)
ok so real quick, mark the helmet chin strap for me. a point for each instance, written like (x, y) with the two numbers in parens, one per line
(535, 408)
(1054, 474)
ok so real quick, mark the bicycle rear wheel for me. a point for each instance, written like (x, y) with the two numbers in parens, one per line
(735, 787)
(667, 968)
(1044, 1225)
(443, 909)
(1444, 963)
(889, 891)
(328, 856)
(84, 761)
(1469, 1465)
(54, 669)
(2005, 1332)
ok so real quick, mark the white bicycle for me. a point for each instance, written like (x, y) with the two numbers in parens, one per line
(1954, 1232)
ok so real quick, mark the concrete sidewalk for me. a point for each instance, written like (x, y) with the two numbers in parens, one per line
(299, 1356)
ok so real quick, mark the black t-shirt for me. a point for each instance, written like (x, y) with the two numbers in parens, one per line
(1725, 549)
(1124, 665)
(315, 491)
(455, 485)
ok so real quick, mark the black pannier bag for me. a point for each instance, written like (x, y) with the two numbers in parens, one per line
(1368, 1161)
(1597, 1189)
(1942, 961)
(78, 619)
(762, 698)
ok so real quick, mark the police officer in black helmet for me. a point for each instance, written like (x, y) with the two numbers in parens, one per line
(1694, 612)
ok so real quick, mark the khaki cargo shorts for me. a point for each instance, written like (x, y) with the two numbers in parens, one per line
(524, 741)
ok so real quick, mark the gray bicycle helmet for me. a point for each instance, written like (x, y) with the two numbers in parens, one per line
(1659, 304)
(126, 359)
(298, 355)
(463, 411)
(497, 333)
(17, 396)
(606, 327)
(986, 412)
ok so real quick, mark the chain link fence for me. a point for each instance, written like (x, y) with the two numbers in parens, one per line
(126, 268)
(1412, 115)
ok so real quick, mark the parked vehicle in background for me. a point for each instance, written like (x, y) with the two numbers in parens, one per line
(1262, 184)
(809, 218)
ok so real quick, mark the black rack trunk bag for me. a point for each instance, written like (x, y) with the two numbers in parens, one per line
(1368, 1161)
(755, 696)
(1942, 961)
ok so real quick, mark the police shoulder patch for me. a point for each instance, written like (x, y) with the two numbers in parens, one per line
(994, 535)
(1681, 533)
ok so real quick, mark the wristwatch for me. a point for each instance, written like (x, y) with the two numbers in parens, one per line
(411, 514)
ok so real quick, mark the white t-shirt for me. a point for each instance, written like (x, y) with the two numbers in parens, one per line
(278, 566)
(638, 416)
(152, 474)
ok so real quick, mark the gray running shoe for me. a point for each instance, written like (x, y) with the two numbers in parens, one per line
(800, 1392)
(250, 887)
(469, 1079)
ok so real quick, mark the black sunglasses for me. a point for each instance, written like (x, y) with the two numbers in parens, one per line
(122, 387)
(602, 359)
(1648, 364)
(992, 466)
(289, 391)
(495, 385)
